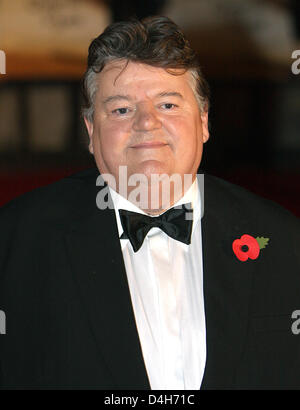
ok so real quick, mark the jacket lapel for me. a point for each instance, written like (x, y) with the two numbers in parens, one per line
(97, 262)
(227, 286)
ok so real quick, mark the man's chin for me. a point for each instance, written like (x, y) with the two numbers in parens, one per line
(149, 168)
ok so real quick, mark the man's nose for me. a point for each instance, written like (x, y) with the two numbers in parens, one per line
(146, 119)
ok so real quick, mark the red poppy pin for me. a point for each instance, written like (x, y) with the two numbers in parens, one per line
(248, 247)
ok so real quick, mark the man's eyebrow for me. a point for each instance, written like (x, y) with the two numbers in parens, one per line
(116, 97)
(170, 94)
(112, 98)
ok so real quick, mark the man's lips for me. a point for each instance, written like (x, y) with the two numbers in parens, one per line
(150, 144)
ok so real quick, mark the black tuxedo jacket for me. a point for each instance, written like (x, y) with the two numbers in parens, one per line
(69, 318)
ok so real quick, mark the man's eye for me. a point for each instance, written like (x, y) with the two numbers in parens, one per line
(121, 111)
(169, 106)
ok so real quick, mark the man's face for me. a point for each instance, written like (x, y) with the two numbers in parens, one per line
(146, 119)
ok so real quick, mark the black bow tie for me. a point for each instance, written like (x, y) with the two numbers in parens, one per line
(176, 222)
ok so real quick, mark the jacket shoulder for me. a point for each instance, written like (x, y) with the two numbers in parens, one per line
(247, 202)
(58, 196)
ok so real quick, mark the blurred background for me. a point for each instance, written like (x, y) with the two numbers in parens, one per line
(245, 49)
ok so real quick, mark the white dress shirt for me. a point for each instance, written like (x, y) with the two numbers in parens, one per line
(165, 279)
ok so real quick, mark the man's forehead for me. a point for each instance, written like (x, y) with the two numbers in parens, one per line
(117, 67)
(116, 64)
(122, 72)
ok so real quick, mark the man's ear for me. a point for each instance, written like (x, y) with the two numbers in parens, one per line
(205, 131)
(90, 129)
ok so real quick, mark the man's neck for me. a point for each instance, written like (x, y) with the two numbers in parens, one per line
(157, 199)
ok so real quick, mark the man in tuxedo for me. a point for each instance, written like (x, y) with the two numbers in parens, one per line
(104, 288)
